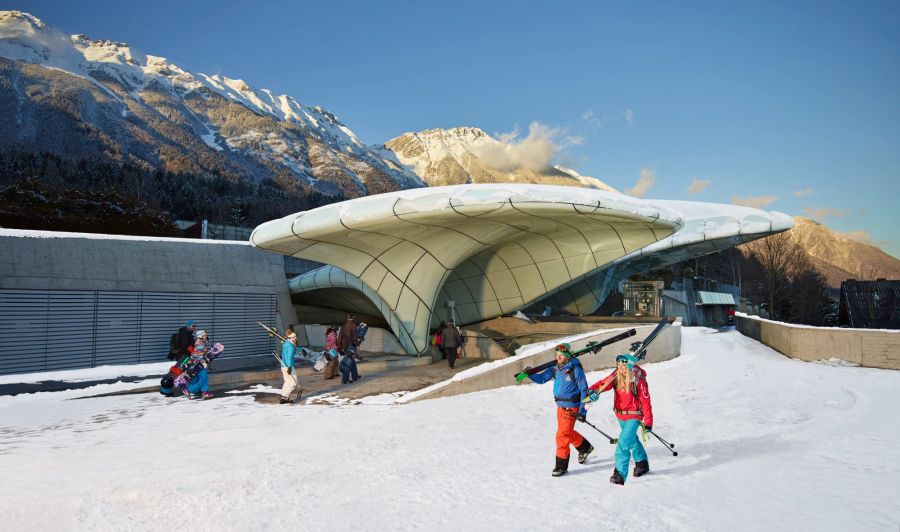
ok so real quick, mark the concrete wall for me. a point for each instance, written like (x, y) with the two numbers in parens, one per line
(867, 347)
(666, 346)
(45, 260)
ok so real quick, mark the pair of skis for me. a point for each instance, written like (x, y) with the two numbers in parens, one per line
(591, 347)
(638, 350)
(274, 332)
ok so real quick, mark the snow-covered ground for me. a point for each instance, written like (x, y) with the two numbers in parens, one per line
(764, 442)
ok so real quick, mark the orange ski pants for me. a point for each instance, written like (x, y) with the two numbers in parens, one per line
(565, 431)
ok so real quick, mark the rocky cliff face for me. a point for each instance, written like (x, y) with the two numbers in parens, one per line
(839, 258)
(464, 155)
(78, 97)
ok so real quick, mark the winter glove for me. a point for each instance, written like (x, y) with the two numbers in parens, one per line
(594, 396)
(648, 428)
(527, 370)
(582, 417)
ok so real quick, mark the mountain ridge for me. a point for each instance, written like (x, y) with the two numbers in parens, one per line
(839, 258)
(459, 155)
(134, 103)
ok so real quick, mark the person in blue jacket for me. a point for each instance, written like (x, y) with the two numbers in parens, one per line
(198, 387)
(569, 388)
(288, 351)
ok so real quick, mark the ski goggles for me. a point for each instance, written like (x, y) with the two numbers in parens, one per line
(621, 359)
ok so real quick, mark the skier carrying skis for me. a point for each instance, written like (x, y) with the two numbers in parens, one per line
(631, 404)
(569, 388)
(288, 350)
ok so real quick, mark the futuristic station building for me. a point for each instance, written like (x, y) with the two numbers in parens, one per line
(476, 252)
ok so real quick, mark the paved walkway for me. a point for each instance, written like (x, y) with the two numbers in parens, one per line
(390, 380)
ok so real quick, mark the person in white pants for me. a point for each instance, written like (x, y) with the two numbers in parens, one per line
(288, 351)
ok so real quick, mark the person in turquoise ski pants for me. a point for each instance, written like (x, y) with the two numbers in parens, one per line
(631, 403)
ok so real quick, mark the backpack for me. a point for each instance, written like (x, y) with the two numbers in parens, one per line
(173, 344)
(361, 331)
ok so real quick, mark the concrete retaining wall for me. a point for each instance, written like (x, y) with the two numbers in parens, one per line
(46, 260)
(666, 346)
(867, 347)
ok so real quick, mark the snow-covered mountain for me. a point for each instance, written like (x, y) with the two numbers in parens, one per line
(79, 97)
(464, 155)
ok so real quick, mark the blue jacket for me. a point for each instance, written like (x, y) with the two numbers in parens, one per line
(288, 350)
(569, 384)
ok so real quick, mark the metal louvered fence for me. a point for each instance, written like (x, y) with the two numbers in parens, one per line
(43, 330)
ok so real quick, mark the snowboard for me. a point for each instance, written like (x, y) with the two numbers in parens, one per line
(194, 368)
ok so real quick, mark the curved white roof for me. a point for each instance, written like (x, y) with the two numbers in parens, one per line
(708, 228)
(491, 248)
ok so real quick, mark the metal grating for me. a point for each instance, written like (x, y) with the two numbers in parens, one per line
(50, 330)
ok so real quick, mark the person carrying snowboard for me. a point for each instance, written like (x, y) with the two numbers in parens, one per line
(331, 352)
(288, 351)
(631, 403)
(569, 388)
(199, 385)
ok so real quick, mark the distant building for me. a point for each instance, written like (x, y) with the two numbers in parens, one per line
(701, 302)
(870, 304)
(642, 298)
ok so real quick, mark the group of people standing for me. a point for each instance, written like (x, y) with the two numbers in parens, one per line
(341, 354)
(631, 404)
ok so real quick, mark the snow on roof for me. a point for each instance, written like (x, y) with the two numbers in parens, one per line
(29, 233)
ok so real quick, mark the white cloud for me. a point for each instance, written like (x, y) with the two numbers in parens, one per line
(753, 201)
(820, 213)
(592, 119)
(698, 185)
(805, 192)
(629, 117)
(534, 152)
(647, 179)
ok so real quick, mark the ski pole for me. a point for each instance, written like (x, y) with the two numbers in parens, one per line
(668, 445)
(612, 440)
(672, 445)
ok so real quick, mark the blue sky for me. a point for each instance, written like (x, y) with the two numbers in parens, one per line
(759, 99)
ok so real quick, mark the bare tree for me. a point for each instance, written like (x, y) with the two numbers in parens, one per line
(781, 259)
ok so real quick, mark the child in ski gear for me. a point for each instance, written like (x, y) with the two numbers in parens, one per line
(450, 342)
(569, 388)
(199, 385)
(631, 403)
(288, 350)
(331, 352)
(349, 372)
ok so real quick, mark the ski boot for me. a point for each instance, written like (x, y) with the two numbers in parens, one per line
(285, 401)
(584, 450)
(641, 468)
(616, 478)
(206, 395)
(562, 465)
